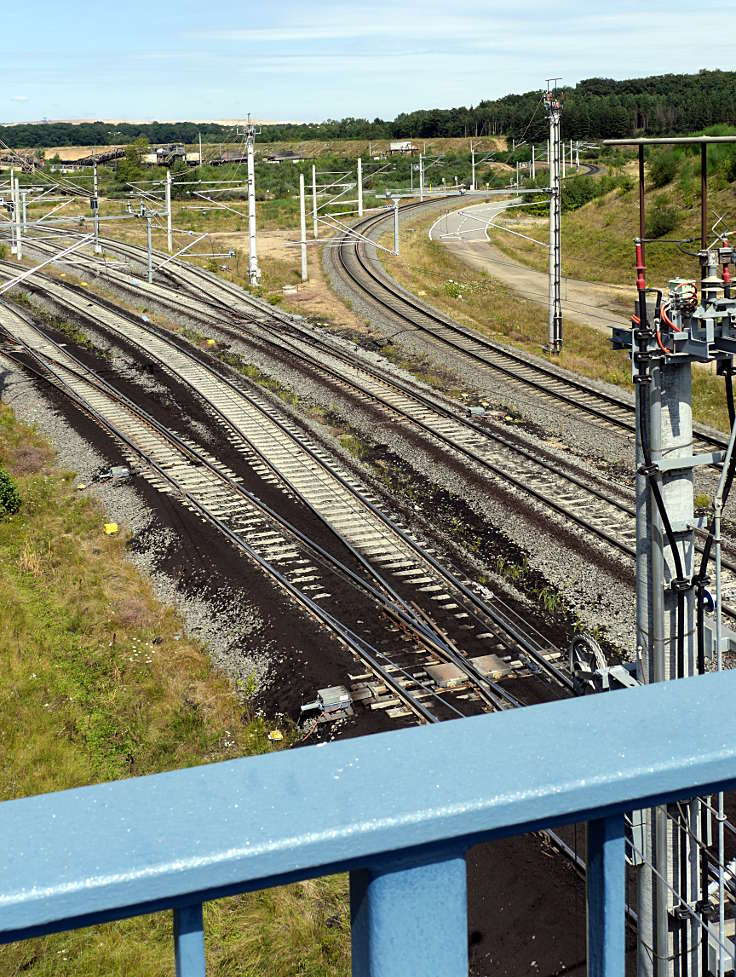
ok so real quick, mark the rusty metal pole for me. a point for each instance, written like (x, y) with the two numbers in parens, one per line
(703, 196)
(642, 213)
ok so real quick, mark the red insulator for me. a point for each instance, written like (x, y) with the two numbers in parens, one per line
(640, 269)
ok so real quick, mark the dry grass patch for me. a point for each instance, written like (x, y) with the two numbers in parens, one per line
(597, 239)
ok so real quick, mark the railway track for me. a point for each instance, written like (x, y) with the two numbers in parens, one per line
(366, 275)
(303, 568)
(571, 496)
(597, 507)
(398, 679)
(278, 451)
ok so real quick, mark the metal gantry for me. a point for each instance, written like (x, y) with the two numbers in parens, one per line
(676, 634)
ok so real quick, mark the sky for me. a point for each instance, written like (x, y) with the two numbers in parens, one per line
(308, 61)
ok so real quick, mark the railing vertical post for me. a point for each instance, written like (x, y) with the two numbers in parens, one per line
(411, 919)
(606, 882)
(189, 941)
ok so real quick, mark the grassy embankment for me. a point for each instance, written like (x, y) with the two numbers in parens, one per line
(598, 238)
(98, 682)
(482, 302)
(347, 148)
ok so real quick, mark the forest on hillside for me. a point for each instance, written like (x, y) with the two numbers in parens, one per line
(592, 109)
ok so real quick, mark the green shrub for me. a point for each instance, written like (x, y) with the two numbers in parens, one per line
(453, 289)
(728, 163)
(9, 495)
(663, 167)
(662, 218)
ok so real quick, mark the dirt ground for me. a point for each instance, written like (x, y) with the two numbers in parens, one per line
(280, 259)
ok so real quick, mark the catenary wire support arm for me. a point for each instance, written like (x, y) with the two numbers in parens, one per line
(55, 257)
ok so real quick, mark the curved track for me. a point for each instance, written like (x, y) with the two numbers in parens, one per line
(598, 507)
(299, 565)
(367, 276)
(395, 558)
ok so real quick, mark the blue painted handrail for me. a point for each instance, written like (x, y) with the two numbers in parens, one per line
(397, 810)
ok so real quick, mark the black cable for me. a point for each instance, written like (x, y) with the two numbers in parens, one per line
(708, 545)
(654, 485)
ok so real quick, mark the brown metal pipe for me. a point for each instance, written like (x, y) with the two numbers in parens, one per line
(703, 196)
(642, 216)
(670, 141)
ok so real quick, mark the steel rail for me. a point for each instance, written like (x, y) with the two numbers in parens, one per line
(508, 635)
(399, 609)
(517, 360)
(524, 486)
(366, 653)
(565, 511)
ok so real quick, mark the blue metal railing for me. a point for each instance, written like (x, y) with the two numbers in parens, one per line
(397, 810)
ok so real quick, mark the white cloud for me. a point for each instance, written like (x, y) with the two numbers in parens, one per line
(18, 98)
(400, 23)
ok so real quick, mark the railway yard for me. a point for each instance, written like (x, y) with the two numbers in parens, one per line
(412, 512)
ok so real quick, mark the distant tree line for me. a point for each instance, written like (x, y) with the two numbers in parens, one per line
(593, 109)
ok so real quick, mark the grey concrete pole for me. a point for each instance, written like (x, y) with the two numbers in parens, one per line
(558, 236)
(254, 272)
(551, 277)
(314, 203)
(169, 235)
(562, 156)
(150, 250)
(96, 205)
(303, 225)
(645, 674)
(472, 164)
(24, 194)
(360, 187)
(13, 246)
(677, 495)
(18, 235)
(421, 177)
(660, 923)
(396, 225)
(671, 851)
(534, 168)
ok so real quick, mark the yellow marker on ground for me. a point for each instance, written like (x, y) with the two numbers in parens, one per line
(111, 528)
